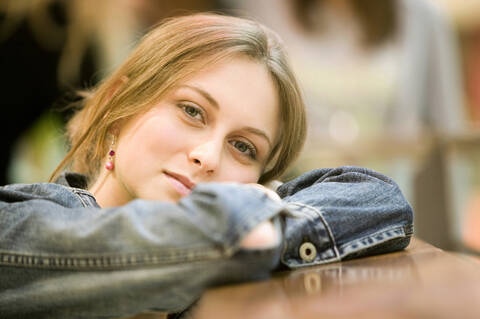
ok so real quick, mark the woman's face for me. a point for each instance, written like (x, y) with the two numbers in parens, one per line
(219, 125)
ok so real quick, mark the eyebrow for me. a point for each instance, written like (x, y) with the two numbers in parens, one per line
(215, 104)
(258, 132)
(203, 93)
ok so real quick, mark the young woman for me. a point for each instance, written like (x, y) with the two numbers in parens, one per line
(168, 158)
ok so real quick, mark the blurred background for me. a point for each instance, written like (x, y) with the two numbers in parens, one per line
(393, 85)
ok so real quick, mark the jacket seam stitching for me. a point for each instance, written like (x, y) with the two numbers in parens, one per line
(105, 261)
(327, 227)
(80, 198)
(381, 232)
(79, 192)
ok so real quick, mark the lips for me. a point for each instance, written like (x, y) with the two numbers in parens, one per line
(180, 183)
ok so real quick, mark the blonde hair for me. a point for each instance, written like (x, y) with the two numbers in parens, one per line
(169, 53)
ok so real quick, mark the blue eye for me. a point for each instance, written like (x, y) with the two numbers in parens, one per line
(245, 148)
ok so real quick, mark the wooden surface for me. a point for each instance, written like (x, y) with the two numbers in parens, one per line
(420, 282)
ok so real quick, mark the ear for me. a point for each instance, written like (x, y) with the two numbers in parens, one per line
(114, 129)
(117, 86)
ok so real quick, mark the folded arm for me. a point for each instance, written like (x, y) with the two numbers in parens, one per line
(211, 223)
(342, 213)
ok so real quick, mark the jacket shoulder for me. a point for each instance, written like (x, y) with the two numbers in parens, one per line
(60, 194)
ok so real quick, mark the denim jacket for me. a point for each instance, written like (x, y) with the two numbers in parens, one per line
(56, 241)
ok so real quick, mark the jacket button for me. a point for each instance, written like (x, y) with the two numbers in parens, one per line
(308, 252)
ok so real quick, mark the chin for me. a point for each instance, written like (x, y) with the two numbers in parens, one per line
(159, 193)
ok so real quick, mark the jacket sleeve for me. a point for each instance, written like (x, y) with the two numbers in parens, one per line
(39, 231)
(343, 213)
(57, 255)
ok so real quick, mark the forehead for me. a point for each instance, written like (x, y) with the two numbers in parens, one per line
(244, 90)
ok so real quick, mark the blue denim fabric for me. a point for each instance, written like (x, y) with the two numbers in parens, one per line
(56, 241)
(345, 212)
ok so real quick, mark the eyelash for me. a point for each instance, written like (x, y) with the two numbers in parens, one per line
(251, 149)
(199, 111)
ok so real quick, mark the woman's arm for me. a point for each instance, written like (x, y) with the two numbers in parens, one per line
(62, 253)
(343, 213)
(211, 223)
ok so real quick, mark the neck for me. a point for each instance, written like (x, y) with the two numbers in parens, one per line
(108, 192)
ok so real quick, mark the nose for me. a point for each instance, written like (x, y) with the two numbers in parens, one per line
(206, 156)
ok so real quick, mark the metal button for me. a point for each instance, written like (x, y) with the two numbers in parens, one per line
(308, 252)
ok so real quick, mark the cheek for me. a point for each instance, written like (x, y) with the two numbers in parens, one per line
(166, 137)
(154, 142)
(240, 173)
(163, 139)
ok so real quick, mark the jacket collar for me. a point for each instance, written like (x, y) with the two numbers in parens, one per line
(72, 179)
